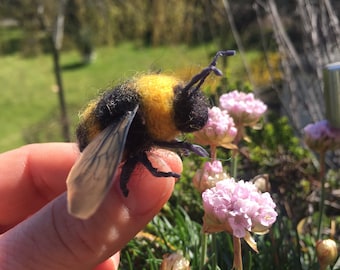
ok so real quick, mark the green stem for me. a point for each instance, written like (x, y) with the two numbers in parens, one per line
(233, 165)
(203, 250)
(321, 203)
(214, 245)
(213, 152)
(322, 195)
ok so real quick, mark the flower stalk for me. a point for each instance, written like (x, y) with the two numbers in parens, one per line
(322, 193)
(237, 264)
(204, 244)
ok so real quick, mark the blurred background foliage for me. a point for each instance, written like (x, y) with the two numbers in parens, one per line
(282, 46)
(146, 23)
(105, 22)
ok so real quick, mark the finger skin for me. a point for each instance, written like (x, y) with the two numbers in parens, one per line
(34, 173)
(52, 239)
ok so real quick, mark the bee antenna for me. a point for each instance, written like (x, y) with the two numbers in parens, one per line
(200, 77)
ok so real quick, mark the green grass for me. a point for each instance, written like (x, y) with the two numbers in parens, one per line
(29, 107)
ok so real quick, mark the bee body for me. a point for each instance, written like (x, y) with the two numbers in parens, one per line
(124, 123)
(162, 115)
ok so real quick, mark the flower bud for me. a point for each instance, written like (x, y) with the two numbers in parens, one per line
(175, 261)
(327, 252)
(261, 181)
(209, 175)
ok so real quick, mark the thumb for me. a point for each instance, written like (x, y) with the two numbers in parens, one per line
(52, 239)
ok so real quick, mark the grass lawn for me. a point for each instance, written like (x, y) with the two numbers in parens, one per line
(29, 104)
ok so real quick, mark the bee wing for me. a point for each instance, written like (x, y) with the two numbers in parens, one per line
(92, 175)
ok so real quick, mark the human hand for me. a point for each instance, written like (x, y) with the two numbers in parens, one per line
(38, 233)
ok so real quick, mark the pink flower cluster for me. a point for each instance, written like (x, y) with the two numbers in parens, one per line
(220, 129)
(244, 108)
(237, 207)
(209, 175)
(321, 136)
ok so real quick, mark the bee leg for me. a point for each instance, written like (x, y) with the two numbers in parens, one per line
(130, 165)
(127, 170)
(154, 171)
(187, 147)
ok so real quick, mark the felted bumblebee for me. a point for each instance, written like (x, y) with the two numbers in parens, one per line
(124, 123)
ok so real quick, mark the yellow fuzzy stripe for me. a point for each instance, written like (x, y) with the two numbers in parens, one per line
(157, 95)
(87, 117)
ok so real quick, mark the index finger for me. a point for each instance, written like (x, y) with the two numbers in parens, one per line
(31, 176)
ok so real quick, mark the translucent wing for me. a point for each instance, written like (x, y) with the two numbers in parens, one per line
(92, 175)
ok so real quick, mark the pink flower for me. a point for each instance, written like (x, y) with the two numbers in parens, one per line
(220, 130)
(242, 107)
(209, 175)
(321, 137)
(237, 207)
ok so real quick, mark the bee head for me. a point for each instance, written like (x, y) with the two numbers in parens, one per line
(190, 104)
(191, 110)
